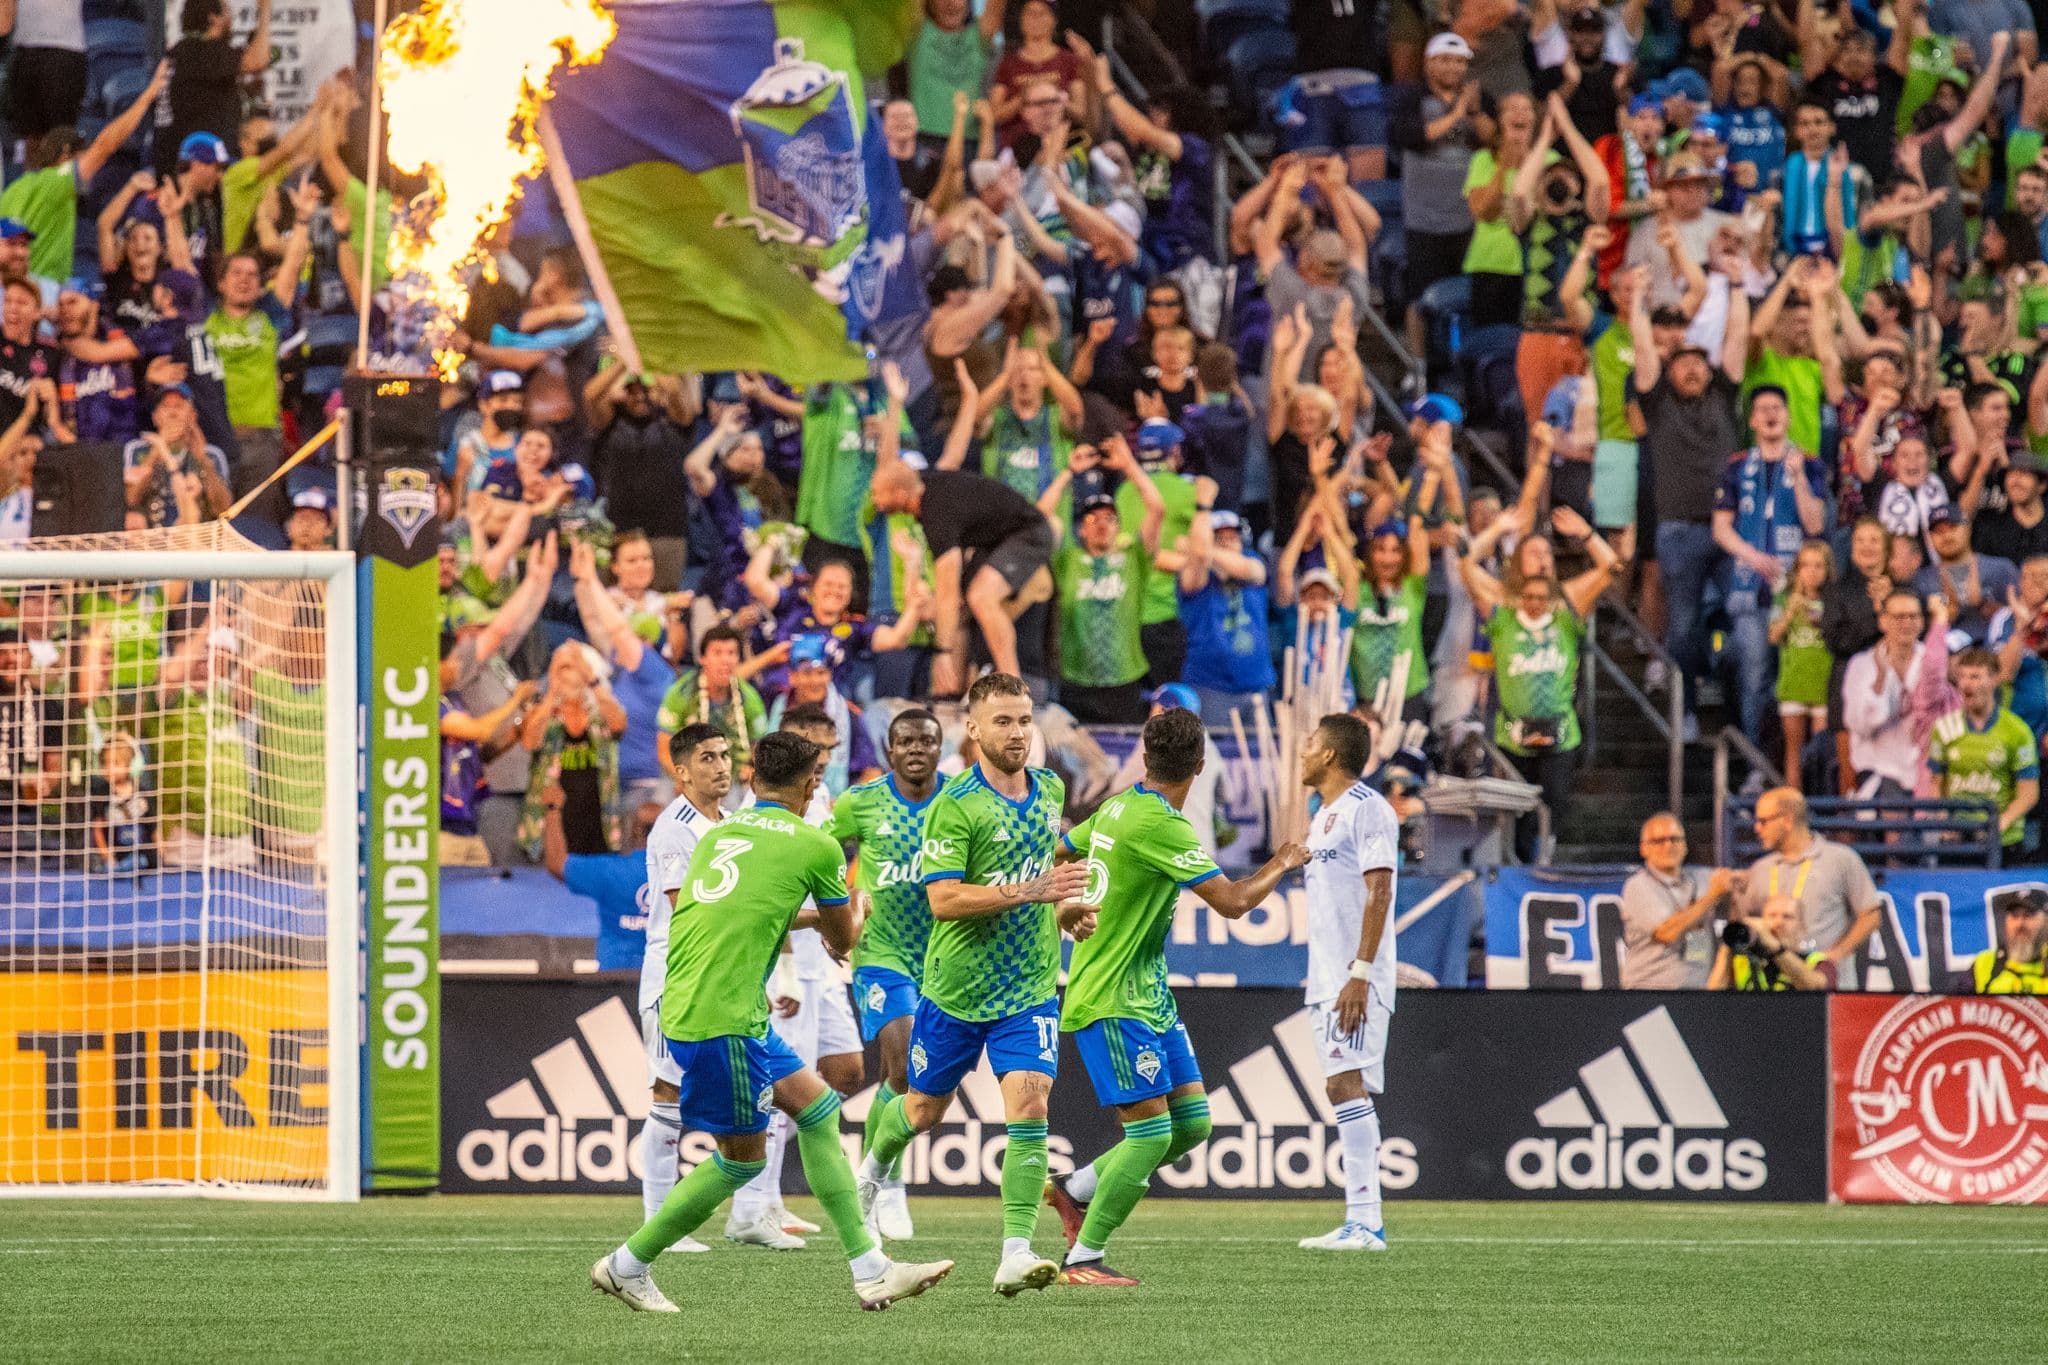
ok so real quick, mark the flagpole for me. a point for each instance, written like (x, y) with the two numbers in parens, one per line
(564, 182)
(372, 155)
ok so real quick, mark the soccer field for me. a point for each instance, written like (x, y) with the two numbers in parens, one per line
(483, 1277)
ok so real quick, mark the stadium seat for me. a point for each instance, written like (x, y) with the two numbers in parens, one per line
(1445, 306)
(1226, 21)
(1259, 63)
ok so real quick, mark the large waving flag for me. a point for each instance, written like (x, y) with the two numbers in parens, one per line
(736, 185)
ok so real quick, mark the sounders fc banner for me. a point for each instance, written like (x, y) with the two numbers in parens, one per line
(399, 683)
(1561, 930)
(1644, 1095)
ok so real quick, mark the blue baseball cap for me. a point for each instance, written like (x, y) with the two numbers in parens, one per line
(204, 149)
(13, 228)
(1710, 124)
(504, 381)
(1159, 434)
(78, 284)
(183, 391)
(1436, 407)
(315, 497)
(1651, 101)
(1688, 83)
(809, 651)
(1175, 696)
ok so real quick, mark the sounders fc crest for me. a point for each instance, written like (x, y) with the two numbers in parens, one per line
(405, 499)
(796, 126)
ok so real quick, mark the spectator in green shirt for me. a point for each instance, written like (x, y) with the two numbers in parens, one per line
(950, 52)
(46, 198)
(1102, 570)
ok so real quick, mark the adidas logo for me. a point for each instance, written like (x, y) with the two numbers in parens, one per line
(884, 830)
(1652, 1083)
(1274, 1128)
(598, 1080)
(1002, 835)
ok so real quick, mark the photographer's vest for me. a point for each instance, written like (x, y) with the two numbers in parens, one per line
(1750, 978)
(1992, 974)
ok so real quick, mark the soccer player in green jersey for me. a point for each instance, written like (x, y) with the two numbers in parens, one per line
(746, 884)
(1983, 749)
(1141, 854)
(991, 972)
(882, 822)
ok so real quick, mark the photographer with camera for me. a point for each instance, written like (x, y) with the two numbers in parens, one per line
(1757, 954)
(2018, 966)
(1838, 906)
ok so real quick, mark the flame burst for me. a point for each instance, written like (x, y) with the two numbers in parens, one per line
(462, 83)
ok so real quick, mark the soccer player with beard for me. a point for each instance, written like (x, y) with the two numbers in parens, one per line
(883, 823)
(1141, 853)
(743, 893)
(991, 973)
(703, 764)
(1352, 844)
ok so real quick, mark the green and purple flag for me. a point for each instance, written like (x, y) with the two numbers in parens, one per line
(737, 185)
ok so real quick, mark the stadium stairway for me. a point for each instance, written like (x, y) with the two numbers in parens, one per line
(1621, 776)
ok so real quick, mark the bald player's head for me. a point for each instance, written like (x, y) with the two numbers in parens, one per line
(896, 488)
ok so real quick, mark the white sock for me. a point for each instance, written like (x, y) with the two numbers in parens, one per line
(1014, 1246)
(1358, 1126)
(626, 1265)
(659, 1138)
(1081, 1253)
(1081, 1184)
(869, 1265)
(764, 1191)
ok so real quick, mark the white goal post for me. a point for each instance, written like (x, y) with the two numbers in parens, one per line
(179, 899)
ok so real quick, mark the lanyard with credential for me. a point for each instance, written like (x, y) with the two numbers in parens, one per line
(1799, 882)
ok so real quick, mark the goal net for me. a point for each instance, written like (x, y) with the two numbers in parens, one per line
(177, 867)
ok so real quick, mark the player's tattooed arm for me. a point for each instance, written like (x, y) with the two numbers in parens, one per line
(1235, 900)
(955, 899)
(1379, 901)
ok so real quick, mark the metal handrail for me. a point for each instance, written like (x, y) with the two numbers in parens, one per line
(1671, 724)
(1504, 769)
(1732, 738)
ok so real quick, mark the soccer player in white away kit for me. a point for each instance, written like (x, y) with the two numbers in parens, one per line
(703, 764)
(820, 1030)
(1351, 842)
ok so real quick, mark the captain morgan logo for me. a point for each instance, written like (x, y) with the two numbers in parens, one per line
(1948, 1101)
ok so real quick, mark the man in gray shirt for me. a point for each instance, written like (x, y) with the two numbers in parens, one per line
(1436, 132)
(1838, 903)
(1667, 917)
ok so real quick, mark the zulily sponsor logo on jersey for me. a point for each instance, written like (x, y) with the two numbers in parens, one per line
(572, 1122)
(1543, 659)
(1274, 1128)
(1652, 1086)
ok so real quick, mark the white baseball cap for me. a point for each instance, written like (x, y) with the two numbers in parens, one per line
(1447, 45)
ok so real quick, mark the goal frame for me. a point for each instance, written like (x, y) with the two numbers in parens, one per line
(336, 570)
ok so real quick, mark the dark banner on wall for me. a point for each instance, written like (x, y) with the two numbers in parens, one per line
(1638, 1096)
(1561, 929)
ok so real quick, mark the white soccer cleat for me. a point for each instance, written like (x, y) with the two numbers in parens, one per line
(789, 1222)
(637, 1292)
(1349, 1237)
(761, 1230)
(892, 1215)
(902, 1280)
(1024, 1270)
(689, 1246)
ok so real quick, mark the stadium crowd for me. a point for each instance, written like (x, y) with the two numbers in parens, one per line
(1731, 314)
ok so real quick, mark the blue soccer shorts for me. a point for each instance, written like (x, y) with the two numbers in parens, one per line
(1128, 1060)
(728, 1083)
(944, 1049)
(882, 995)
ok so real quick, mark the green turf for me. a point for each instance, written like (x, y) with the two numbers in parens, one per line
(504, 1277)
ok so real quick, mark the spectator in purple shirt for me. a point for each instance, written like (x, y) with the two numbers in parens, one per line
(720, 466)
(821, 610)
(96, 376)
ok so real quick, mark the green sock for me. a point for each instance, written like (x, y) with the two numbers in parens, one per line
(831, 1179)
(892, 1132)
(1190, 1114)
(692, 1201)
(883, 1094)
(1023, 1176)
(1122, 1176)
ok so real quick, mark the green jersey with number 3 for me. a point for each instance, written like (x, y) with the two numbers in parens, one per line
(747, 880)
(1141, 854)
(993, 966)
(889, 867)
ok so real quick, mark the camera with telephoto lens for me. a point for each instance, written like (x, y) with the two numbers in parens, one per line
(1738, 936)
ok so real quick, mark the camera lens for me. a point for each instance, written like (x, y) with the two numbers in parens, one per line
(1737, 935)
